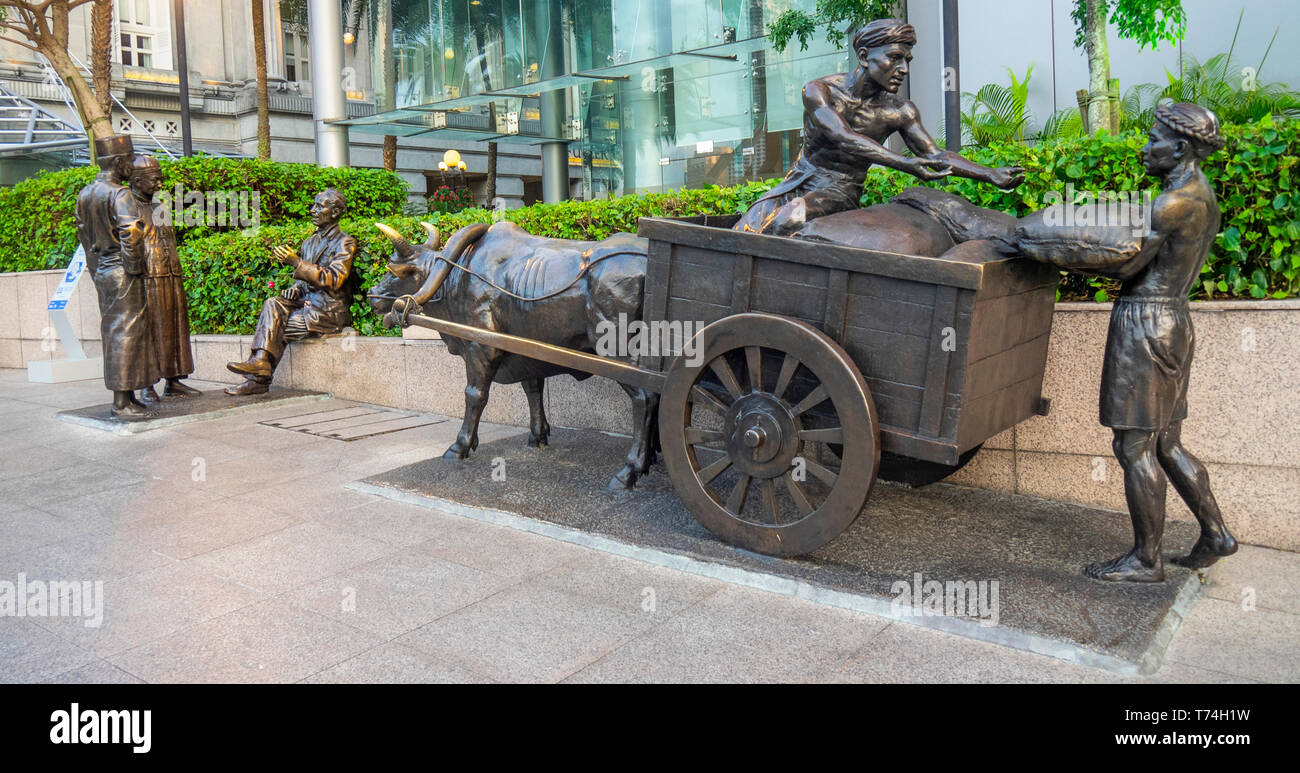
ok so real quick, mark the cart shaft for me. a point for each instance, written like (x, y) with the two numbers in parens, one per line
(622, 372)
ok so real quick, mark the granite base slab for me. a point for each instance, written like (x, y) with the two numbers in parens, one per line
(1033, 549)
(174, 411)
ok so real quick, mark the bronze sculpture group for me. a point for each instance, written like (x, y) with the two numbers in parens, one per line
(554, 293)
(131, 255)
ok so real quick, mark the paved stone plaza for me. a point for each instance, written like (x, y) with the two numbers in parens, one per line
(230, 551)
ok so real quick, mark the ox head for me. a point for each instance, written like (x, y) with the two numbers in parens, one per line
(408, 268)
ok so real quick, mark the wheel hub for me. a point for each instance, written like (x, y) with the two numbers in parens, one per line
(762, 435)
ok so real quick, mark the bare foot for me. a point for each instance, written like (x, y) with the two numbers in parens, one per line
(1126, 568)
(1207, 550)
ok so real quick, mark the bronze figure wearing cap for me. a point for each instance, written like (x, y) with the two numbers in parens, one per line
(111, 232)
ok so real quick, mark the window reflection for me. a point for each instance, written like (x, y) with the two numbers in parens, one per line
(688, 122)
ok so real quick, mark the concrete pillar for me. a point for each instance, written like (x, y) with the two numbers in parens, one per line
(325, 39)
(555, 155)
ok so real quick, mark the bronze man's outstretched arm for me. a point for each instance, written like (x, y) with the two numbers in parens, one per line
(923, 145)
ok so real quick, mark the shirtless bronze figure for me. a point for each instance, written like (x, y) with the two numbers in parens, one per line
(1150, 343)
(847, 118)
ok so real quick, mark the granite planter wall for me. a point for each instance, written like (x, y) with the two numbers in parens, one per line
(26, 333)
(1244, 420)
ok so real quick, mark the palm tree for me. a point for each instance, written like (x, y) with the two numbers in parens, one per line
(263, 99)
(101, 48)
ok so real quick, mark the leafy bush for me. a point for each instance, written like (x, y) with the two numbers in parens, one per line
(230, 273)
(1256, 254)
(37, 228)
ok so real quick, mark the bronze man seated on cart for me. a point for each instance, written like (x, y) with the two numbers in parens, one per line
(847, 118)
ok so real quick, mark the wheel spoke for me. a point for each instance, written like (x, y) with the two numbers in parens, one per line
(814, 398)
(726, 376)
(826, 476)
(787, 373)
(698, 436)
(754, 360)
(702, 396)
(707, 474)
(797, 494)
(769, 500)
(829, 435)
(736, 502)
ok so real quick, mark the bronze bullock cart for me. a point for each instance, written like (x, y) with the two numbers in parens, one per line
(819, 368)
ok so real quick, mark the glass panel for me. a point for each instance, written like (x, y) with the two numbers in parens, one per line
(700, 98)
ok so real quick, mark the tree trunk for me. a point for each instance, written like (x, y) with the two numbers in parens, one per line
(101, 48)
(263, 99)
(491, 189)
(390, 152)
(1099, 106)
(387, 87)
(96, 122)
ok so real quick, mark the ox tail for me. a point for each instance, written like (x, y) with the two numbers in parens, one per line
(451, 254)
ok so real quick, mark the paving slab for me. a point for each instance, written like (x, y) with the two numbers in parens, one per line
(172, 412)
(272, 641)
(393, 663)
(1033, 549)
(735, 635)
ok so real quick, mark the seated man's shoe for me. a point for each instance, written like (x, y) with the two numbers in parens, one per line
(249, 387)
(175, 388)
(258, 365)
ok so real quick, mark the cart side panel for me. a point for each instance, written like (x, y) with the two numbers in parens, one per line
(1010, 330)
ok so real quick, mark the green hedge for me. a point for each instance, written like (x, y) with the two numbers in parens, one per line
(37, 228)
(228, 275)
(228, 272)
(1257, 253)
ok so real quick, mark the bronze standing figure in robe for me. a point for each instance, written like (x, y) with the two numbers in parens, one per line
(111, 232)
(318, 303)
(847, 118)
(169, 322)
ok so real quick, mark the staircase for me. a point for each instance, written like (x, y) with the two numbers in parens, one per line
(27, 128)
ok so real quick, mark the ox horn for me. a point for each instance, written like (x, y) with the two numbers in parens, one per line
(434, 239)
(403, 247)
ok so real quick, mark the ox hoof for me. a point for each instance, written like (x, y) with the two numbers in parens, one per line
(456, 454)
(537, 441)
(623, 480)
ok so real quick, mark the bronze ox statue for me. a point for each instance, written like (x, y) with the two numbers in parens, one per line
(556, 291)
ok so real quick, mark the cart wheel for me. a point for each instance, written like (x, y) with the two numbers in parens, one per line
(744, 422)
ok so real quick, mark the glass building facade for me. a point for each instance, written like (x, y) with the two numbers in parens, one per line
(647, 94)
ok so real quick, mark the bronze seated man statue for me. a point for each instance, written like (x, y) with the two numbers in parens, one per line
(318, 303)
(847, 118)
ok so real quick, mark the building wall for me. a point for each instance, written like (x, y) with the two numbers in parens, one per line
(1033, 32)
(224, 103)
